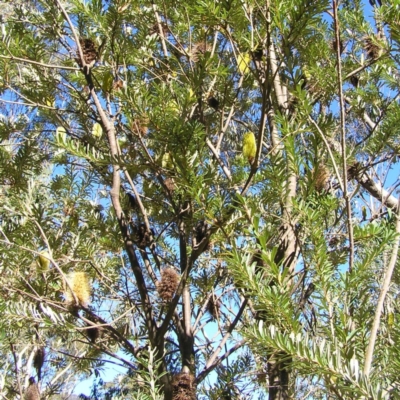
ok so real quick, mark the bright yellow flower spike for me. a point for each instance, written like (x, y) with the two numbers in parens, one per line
(249, 146)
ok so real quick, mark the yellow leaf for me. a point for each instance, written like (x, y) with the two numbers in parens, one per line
(50, 102)
(391, 319)
(172, 106)
(97, 130)
(243, 61)
(108, 80)
(61, 131)
(43, 262)
(166, 161)
(249, 146)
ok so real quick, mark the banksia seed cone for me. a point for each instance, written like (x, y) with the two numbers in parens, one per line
(334, 46)
(79, 283)
(32, 393)
(183, 387)
(89, 51)
(140, 126)
(213, 306)
(38, 361)
(353, 171)
(258, 53)
(169, 283)
(170, 184)
(201, 231)
(249, 146)
(141, 237)
(93, 332)
(321, 176)
(213, 102)
(198, 50)
(372, 49)
(354, 80)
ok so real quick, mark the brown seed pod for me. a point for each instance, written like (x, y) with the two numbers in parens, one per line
(353, 171)
(118, 85)
(371, 48)
(89, 51)
(169, 283)
(334, 45)
(140, 126)
(198, 50)
(201, 231)
(354, 80)
(170, 184)
(93, 332)
(141, 237)
(258, 53)
(32, 392)
(183, 387)
(38, 361)
(213, 102)
(214, 306)
(321, 177)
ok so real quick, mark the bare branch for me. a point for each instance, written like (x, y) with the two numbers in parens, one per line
(25, 60)
(346, 194)
(379, 308)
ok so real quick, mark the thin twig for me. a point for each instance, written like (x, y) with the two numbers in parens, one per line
(207, 370)
(59, 270)
(16, 370)
(13, 58)
(335, 167)
(343, 136)
(232, 326)
(78, 45)
(379, 308)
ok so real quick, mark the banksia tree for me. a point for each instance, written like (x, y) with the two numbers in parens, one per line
(125, 158)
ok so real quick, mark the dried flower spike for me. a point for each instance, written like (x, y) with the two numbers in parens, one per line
(169, 283)
(38, 361)
(183, 387)
(89, 51)
(321, 177)
(32, 393)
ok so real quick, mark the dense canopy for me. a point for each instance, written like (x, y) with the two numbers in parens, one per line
(199, 199)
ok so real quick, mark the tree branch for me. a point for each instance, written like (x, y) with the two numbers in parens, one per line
(346, 194)
(377, 191)
(24, 60)
(379, 308)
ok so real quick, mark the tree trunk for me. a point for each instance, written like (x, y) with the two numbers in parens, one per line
(278, 377)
